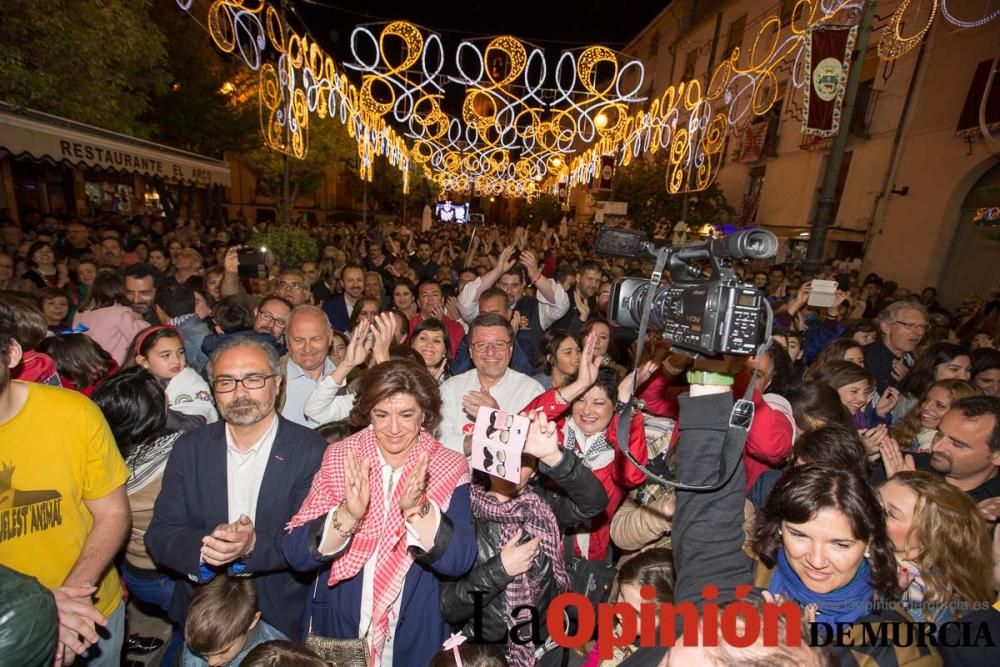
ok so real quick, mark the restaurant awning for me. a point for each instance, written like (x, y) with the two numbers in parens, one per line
(52, 138)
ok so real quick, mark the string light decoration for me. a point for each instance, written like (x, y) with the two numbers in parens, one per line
(521, 129)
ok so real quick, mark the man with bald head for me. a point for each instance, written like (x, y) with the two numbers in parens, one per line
(307, 335)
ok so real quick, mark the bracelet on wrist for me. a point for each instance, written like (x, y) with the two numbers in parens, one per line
(421, 510)
(339, 527)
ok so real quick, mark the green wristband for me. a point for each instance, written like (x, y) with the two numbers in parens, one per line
(708, 378)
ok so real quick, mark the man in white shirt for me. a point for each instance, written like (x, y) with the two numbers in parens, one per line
(308, 337)
(491, 383)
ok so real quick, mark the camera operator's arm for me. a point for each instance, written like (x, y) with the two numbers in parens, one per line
(707, 530)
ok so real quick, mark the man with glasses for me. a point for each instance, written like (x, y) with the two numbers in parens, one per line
(902, 324)
(293, 287)
(492, 383)
(271, 316)
(230, 488)
(535, 313)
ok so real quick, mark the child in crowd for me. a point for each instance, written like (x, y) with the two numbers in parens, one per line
(160, 350)
(223, 624)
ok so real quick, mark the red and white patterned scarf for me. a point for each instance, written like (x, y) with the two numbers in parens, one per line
(381, 533)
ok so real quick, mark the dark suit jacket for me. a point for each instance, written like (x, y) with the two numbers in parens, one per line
(336, 311)
(194, 500)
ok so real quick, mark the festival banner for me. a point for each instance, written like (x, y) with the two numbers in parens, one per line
(827, 54)
(607, 172)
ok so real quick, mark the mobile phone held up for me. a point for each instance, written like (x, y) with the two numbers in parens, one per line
(253, 262)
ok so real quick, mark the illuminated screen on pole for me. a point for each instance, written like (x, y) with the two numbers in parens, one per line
(449, 212)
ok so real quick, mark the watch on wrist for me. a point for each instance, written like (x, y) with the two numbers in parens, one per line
(709, 378)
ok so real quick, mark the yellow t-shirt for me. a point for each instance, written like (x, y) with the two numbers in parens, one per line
(55, 453)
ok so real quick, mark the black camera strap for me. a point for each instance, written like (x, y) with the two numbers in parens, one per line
(739, 420)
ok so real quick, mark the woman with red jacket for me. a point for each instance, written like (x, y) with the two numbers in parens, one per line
(587, 425)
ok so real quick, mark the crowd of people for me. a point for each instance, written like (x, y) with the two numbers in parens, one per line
(278, 461)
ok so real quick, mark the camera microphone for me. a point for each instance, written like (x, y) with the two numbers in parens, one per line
(622, 243)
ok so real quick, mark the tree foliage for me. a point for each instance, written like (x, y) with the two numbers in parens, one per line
(210, 106)
(97, 62)
(292, 245)
(643, 185)
(544, 208)
(330, 147)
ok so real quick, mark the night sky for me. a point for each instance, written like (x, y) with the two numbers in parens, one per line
(551, 24)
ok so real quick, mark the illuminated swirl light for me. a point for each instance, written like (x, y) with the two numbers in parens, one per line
(522, 128)
(952, 19)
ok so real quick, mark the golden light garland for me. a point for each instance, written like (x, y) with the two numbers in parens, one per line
(520, 132)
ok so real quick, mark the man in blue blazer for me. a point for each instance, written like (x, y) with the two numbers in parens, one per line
(338, 309)
(230, 488)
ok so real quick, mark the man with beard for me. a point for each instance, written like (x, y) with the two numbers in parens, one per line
(64, 513)
(338, 309)
(229, 489)
(140, 291)
(582, 298)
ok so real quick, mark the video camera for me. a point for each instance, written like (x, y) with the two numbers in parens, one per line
(704, 314)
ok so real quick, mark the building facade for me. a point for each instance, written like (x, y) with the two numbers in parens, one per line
(918, 170)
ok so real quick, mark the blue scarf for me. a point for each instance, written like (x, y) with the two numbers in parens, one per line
(845, 605)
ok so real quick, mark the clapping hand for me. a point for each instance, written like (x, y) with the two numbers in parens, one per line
(892, 457)
(626, 387)
(542, 441)
(474, 400)
(582, 307)
(357, 491)
(383, 327)
(415, 485)
(530, 263)
(359, 346)
(899, 369)
(229, 542)
(586, 374)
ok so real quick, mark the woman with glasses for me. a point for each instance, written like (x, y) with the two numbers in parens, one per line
(519, 528)
(386, 520)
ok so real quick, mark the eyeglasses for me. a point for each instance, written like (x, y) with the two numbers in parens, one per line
(495, 345)
(250, 382)
(913, 326)
(268, 317)
(285, 285)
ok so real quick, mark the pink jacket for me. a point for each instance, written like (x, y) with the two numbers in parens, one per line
(113, 328)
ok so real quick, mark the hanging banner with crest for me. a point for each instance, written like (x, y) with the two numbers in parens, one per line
(827, 54)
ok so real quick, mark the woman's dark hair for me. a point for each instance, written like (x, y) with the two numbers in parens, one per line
(835, 350)
(803, 491)
(984, 359)
(358, 306)
(473, 655)
(108, 290)
(832, 445)
(432, 324)
(146, 341)
(78, 358)
(397, 376)
(336, 431)
(51, 293)
(282, 653)
(782, 370)
(860, 326)
(551, 340)
(921, 376)
(589, 325)
(403, 282)
(653, 567)
(815, 402)
(134, 405)
(232, 314)
(35, 247)
(839, 373)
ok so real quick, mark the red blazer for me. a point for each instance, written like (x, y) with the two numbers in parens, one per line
(617, 477)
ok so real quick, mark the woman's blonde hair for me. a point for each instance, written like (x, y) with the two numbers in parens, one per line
(909, 427)
(955, 549)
